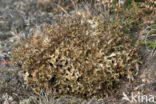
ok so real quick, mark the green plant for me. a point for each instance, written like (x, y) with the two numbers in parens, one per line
(149, 34)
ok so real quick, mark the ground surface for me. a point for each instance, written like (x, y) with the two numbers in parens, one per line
(18, 18)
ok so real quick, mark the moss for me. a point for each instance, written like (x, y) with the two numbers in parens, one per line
(80, 57)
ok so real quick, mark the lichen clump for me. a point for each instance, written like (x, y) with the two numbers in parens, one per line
(81, 57)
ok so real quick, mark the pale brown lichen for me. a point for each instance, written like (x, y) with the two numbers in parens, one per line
(79, 56)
